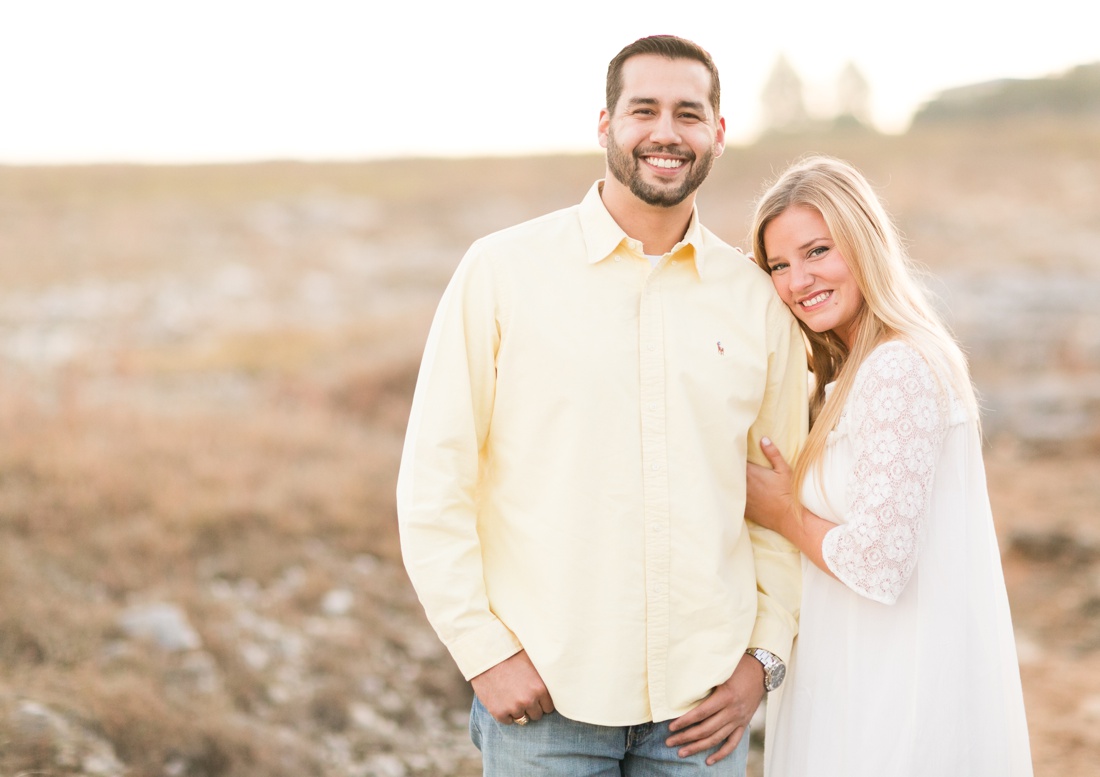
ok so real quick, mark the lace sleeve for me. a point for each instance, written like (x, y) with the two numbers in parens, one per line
(897, 422)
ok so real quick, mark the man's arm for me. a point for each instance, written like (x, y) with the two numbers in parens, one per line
(446, 441)
(723, 717)
(784, 419)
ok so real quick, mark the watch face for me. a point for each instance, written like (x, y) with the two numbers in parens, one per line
(776, 675)
(774, 668)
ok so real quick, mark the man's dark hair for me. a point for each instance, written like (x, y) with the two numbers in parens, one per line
(668, 46)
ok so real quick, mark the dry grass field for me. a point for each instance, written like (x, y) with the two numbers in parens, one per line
(204, 378)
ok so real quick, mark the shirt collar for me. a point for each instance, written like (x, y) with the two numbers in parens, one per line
(602, 236)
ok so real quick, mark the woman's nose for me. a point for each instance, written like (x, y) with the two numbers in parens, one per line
(800, 277)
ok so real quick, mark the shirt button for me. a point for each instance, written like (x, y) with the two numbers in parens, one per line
(655, 466)
(651, 347)
(651, 406)
(618, 258)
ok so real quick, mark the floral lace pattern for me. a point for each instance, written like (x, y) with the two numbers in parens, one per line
(897, 418)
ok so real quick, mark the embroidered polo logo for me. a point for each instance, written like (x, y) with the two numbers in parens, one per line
(721, 350)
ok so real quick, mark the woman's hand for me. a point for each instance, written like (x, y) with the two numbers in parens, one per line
(771, 504)
(770, 496)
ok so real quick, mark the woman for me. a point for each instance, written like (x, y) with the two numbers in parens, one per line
(905, 662)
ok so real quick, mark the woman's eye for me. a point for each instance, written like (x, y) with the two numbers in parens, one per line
(773, 268)
(819, 251)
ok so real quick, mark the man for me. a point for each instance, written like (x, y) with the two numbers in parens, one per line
(572, 488)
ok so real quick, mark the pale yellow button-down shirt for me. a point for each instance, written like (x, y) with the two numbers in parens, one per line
(573, 479)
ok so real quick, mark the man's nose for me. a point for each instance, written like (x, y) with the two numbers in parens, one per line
(665, 132)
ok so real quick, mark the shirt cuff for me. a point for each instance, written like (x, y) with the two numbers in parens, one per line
(483, 648)
(772, 635)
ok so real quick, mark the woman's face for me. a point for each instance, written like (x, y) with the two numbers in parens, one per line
(810, 274)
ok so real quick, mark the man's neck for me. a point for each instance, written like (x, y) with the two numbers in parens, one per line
(658, 228)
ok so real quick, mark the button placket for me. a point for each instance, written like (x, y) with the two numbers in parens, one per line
(655, 488)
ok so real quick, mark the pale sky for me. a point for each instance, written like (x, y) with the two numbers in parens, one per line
(226, 80)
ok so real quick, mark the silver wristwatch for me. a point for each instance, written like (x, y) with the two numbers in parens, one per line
(774, 668)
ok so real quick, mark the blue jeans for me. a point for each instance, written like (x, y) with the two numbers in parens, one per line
(555, 746)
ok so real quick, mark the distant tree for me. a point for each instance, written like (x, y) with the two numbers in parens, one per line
(853, 95)
(781, 100)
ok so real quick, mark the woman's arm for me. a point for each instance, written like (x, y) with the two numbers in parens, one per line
(771, 504)
(897, 424)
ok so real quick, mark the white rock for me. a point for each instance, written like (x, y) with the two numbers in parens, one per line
(1090, 707)
(386, 765)
(337, 602)
(165, 624)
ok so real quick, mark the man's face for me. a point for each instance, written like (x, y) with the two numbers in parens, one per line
(662, 137)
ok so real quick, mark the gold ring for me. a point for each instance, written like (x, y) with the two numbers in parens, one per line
(522, 720)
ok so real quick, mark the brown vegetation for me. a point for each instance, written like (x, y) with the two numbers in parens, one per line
(206, 374)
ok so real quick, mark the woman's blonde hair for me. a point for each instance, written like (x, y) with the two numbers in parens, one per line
(894, 304)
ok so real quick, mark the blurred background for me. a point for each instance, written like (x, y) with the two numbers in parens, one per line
(224, 228)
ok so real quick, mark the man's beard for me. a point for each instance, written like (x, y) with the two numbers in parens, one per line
(626, 169)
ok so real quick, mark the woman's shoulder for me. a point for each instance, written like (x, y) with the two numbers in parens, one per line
(896, 371)
(895, 360)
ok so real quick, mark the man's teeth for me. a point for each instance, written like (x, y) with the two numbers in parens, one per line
(815, 299)
(667, 163)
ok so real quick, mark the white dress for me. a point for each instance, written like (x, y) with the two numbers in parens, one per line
(909, 666)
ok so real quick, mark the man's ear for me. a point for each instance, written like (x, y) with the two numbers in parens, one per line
(720, 137)
(603, 127)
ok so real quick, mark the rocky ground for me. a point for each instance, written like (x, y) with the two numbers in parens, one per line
(206, 374)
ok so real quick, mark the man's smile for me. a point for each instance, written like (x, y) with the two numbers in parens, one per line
(668, 164)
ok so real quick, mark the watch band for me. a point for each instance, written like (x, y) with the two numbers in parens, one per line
(774, 668)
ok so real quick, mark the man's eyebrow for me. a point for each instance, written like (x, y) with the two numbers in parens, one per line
(692, 104)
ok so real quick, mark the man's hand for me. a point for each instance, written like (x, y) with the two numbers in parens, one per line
(723, 717)
(512, 689)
